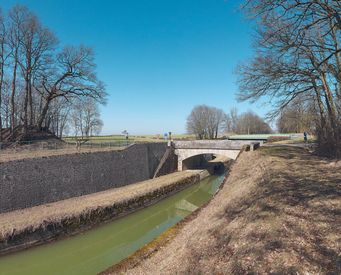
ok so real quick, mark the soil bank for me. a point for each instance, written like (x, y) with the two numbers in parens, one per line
(278, 212)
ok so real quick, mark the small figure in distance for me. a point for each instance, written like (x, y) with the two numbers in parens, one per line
(305, 135)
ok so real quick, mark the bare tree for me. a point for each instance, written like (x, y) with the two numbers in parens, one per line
(246, 123)
(15, 22)
(5, 111)
(86, 118)
(197, 121)
(306, 13)
(297, 117)
(2, 63)
(231, 125)
(36, 44)
(298, 54)
(205, 122)
(72, 77)
(38, 85)
(58, 116)
(251, 123)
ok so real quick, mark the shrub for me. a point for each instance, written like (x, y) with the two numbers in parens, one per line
(277, 138)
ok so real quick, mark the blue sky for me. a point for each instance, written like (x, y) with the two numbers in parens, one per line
(158, 58)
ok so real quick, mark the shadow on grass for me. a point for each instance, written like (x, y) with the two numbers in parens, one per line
(293, 220)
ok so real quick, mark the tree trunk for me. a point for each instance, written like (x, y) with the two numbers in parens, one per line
(43, 113)
(338, 61)
(320, 105)
(330, 103)
(26, 108)
(14, 81)
(1, 81)
(30, 103)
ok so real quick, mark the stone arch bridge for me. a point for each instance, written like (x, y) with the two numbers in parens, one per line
(228, 148)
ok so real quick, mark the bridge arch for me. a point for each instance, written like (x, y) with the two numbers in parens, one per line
(184, 154)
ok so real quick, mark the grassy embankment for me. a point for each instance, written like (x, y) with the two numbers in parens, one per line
(27, 227)
(279, 212)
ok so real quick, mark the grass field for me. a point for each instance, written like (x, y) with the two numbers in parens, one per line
(292, 138)
(265, 136)
(136, 138)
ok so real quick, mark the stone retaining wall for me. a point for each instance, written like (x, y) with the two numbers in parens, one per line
(30, 182)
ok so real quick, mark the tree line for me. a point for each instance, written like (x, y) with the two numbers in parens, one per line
(42, 84)
(208, 122)
(297, 65)
(247, 123)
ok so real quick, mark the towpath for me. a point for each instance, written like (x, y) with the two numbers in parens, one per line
(122, 200)
(278, 212)
(20, 153)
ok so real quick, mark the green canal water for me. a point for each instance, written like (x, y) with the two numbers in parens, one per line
(97, 249)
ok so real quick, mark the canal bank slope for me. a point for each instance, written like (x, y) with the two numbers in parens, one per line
(278, 212)
(31, 226)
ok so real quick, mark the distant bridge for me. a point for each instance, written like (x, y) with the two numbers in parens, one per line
(228, 148)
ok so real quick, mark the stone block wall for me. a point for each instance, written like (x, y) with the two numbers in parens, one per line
(31, 182)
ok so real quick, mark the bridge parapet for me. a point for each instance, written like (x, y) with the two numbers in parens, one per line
(210, 144)
(228, 148)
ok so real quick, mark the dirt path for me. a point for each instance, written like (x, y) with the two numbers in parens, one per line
(279, 212)
(19, 154)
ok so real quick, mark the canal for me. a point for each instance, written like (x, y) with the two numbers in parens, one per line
(97, 249)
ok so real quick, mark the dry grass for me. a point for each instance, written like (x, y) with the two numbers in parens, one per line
(279, 212)
(18, 154)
